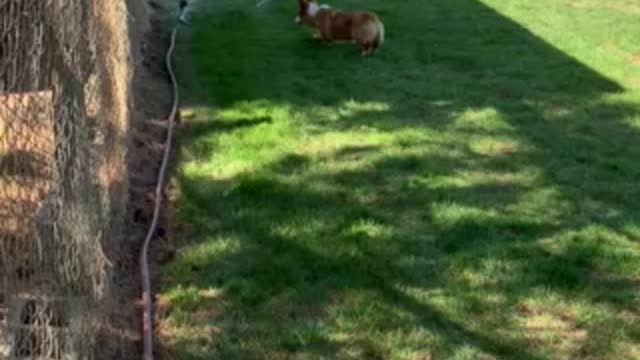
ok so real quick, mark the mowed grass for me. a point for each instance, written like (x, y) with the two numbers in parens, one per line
(470, 192)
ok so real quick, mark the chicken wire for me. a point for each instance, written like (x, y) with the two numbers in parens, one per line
(64, 74)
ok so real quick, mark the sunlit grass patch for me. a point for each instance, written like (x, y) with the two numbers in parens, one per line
(467, 193)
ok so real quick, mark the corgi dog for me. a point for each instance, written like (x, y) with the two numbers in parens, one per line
(362, 28)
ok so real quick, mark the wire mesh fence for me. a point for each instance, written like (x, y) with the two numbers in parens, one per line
(64, 83)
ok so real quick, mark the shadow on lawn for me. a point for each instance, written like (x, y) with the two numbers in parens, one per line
(468, 57)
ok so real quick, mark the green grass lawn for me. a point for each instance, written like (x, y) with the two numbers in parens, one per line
(470, 192)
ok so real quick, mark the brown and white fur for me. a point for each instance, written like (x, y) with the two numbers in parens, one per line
(362, 28)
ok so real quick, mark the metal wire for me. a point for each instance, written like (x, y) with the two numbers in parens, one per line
(64, 114)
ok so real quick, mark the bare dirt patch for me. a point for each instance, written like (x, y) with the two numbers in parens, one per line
(151, 105)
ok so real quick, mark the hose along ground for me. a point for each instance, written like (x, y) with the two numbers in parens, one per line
(147, 318)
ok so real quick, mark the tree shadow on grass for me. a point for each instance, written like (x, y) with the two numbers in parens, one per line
(405, 227)
(301, 249)
(273, 266)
